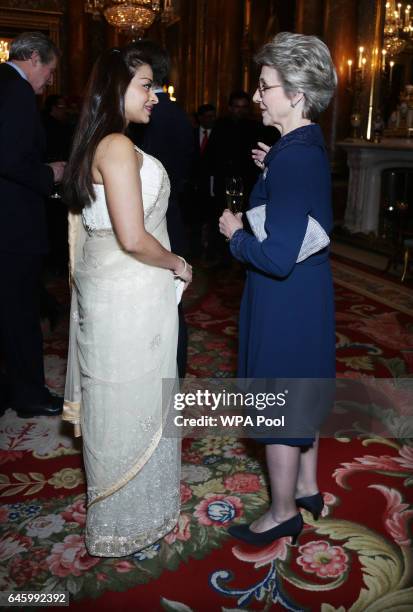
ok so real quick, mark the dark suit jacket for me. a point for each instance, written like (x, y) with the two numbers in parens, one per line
(169, 137)
(201, 207)
(199, 159)
(24, 179)
(228, 152)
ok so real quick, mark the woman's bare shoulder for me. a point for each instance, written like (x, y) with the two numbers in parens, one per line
(116, 147)
(115, 143)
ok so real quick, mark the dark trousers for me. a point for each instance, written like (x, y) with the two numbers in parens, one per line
(179, 246)
(21, 342)
(57, 259)
(182, 343)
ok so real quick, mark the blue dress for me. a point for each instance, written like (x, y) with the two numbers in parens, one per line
(287, 323)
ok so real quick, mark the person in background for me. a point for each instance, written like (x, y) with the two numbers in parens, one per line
(200, 212)
(58, 129)
(59, 136)
(25, 182)
(230, 144)
(206, 115)
(229, 155)
(287, 323)
(169, 138)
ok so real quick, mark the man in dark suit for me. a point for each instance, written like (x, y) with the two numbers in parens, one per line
(25, 181)
(229, 155)
(231, 142)
(59, 136)
(169, 137)
(201, 208)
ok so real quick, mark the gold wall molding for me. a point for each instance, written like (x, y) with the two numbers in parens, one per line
(36, 5)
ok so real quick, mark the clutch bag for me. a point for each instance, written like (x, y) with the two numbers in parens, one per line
(315, 238)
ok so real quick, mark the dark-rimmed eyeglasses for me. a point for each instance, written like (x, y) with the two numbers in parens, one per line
(263, 88)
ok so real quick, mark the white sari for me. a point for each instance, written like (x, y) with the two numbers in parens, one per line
(123, 339)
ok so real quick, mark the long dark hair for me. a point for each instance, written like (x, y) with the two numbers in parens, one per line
(103, 113)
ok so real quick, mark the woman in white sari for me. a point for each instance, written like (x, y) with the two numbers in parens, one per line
(123, 332)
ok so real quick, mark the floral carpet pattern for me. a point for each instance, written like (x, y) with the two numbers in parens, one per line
(356, 557)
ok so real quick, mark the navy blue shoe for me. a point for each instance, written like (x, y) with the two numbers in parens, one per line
(312, 503)
(292, 527)
(53, 407)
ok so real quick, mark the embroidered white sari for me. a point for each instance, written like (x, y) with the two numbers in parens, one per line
(123, 339)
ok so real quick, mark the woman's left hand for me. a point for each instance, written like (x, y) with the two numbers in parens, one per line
(259, 154)
(230, 223)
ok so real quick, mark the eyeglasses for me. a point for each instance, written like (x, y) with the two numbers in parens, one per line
(263, 88)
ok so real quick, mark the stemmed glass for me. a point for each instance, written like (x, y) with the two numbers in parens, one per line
(234, 190)
(56, 195)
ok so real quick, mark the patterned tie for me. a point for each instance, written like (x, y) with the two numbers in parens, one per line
(204, 141)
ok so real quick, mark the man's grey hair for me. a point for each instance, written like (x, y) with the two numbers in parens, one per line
(303, 64)
(24, 44)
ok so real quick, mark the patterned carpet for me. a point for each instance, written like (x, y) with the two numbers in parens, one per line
(358, 557)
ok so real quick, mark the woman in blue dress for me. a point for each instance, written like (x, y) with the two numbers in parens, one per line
(287, 325)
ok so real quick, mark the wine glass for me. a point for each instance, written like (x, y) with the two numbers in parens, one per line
(234, 191)
(56, 195)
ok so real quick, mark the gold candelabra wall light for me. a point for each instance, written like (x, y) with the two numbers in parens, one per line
(361, 72)
(398, 29)
(398, 26)
(374, 59)
(4, 51)
(170, 90)
(371, 68)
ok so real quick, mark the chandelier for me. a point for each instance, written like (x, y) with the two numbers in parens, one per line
(398, 27)
(133, 16)
(4, 51)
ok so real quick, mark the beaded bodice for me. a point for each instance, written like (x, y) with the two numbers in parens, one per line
(155, 194)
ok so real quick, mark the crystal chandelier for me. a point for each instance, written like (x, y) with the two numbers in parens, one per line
(4, 51)
(398, 27)
(133, 16)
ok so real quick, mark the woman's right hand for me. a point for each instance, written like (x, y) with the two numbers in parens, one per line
(183, 271)
(259, 154)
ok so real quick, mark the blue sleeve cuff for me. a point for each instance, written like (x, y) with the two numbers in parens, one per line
(236, 243)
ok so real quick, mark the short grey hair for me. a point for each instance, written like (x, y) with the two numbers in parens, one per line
(25, 44)
(303, 64)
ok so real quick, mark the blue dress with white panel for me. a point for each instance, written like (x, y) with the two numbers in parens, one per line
(287, 323)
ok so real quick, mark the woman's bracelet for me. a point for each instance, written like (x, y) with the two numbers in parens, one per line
(185, 266)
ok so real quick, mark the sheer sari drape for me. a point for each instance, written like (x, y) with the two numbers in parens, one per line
(123, 336)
